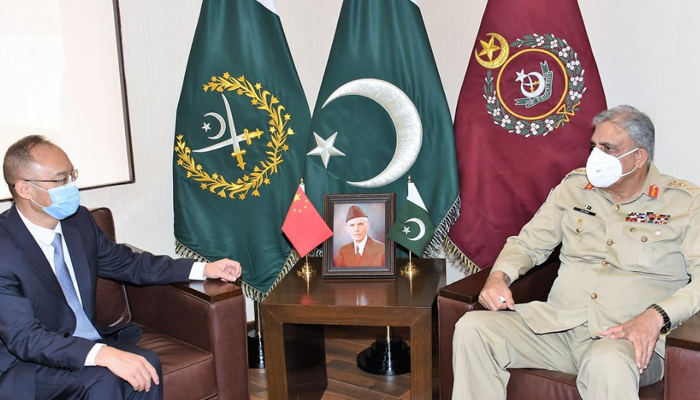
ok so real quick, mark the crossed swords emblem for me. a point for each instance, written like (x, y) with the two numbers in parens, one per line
(247, 136)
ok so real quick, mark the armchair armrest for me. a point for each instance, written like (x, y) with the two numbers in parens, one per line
(209, 315)
(683, 360)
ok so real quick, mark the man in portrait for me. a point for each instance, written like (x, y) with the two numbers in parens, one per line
(362, 251)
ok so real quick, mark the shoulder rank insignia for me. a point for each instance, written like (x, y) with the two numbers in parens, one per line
(680, 184)
(648, 217)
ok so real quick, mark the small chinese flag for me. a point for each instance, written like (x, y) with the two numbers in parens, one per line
(303, 225)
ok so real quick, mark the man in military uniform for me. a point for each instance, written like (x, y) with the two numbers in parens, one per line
(362, 251)
(630, 244)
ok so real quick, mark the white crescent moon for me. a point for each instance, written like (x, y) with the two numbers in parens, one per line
(421, 225)
(222, 124)
(407, 124)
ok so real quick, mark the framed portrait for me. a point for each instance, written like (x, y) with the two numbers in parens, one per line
(359, 247)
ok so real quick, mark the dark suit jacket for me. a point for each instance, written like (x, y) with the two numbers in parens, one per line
(372, 256)
(36, 322)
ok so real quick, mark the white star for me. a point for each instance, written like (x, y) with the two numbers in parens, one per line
(206, 127)
(325, 149)
(406, 230)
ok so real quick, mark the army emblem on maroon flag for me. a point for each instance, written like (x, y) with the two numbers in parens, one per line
(533, 85)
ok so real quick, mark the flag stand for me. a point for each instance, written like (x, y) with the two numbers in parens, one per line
(386, 356)
(306, 270)
(409, 270)
(256, 355)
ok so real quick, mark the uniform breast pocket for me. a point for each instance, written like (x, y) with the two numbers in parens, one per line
(582, 232)
(642, 247)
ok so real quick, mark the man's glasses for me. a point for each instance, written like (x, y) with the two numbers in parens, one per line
(71, 177)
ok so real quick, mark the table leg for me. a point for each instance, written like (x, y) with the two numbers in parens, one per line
(421, 358)
(296, 359)
(305, 361)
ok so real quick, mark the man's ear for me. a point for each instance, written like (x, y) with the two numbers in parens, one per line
(23, 189)
(641, 157)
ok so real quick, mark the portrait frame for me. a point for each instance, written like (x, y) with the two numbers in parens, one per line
(379, 209)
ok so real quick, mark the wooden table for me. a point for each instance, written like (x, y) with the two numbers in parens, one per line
(294, 313)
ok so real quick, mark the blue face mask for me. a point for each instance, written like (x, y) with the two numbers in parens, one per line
(65, 200)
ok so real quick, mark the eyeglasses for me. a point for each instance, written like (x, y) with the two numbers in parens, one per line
(71, 177)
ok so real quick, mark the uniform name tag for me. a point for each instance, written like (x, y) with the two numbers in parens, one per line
(587, 212)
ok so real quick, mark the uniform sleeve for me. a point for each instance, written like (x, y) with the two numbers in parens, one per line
(686, 301)
(535, 242)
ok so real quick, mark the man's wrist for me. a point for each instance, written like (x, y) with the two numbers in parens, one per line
(665, 325)
(504, 276)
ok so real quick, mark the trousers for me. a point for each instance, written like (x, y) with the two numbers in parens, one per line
(486, 343)
(96, 382)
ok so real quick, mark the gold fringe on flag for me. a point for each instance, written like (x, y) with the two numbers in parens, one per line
(458, 257)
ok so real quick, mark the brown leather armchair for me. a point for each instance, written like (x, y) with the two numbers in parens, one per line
(198, 330)
(682, 344)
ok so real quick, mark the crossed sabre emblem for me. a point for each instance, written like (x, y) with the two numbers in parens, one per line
(247, 136)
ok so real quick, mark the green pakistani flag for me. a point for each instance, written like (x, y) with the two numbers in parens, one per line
(382, 114)
(241, 130)
(413, 228)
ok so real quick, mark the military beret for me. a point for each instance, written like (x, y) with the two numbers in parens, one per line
(355, 212)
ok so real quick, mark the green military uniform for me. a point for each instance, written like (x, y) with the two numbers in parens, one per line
(616, 260)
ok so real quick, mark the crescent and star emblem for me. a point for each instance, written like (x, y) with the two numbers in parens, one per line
(407, 125)
(488, 48)
(421, 227)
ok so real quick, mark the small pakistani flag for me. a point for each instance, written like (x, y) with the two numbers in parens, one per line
(413, 228)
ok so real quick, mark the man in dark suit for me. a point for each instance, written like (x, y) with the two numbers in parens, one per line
(363, 251)
(51, 253)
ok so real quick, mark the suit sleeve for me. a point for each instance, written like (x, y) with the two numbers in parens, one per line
(26, 338)
(340, 262)
(119, 262)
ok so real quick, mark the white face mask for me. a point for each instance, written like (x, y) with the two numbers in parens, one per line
(603, 169)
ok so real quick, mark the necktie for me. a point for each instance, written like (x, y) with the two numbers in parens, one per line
(357, 256)
(83, 326)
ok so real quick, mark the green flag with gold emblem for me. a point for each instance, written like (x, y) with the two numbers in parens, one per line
(241, 130)
(382, 115)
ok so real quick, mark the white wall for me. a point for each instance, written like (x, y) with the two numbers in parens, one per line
(647, 53)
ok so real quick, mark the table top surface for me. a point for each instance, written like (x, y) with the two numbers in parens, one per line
(417, 292)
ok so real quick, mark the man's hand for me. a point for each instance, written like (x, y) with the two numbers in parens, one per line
(495, 291)
(224, 269)
(643, 331)
(131, 367)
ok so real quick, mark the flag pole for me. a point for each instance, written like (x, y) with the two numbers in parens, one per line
(410, 268)
(306, 270)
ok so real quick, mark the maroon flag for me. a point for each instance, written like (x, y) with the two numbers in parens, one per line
(523, 119)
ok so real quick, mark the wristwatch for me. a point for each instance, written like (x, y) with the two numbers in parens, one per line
(666, 327)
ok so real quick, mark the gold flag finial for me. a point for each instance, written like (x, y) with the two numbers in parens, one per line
(409, 179)
(302, 181)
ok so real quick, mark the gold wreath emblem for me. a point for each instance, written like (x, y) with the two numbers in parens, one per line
(263, 100)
